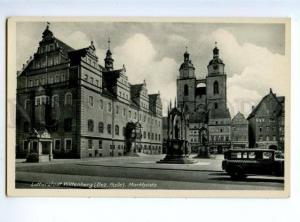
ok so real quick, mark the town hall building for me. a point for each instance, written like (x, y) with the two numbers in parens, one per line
(70, 106)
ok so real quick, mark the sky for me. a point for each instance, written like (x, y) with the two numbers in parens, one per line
(254, 54)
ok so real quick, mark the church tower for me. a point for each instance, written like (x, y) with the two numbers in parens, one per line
(216, 89)
(186, 85)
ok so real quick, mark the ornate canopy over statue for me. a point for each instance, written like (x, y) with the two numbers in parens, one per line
(177, 144)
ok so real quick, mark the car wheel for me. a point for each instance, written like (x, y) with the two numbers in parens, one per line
(237, 173)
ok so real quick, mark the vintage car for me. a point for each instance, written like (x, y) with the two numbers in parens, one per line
(239, 163)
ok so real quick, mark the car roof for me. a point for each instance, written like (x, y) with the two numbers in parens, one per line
(249, 150)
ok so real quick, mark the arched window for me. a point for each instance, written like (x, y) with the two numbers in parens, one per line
(68, 98)
(117, 130)
(186, 90)
(90, 125)
(100, 127)
(216, 87)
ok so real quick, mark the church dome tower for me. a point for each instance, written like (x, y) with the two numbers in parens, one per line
(216, 65)
(187, 69)
(186, 84)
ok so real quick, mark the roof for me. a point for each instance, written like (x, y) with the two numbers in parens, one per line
(239, 116)
(65, 48)
(219, 114)
(153, 98)
(188, 64)
(135, 90)
(279, 99)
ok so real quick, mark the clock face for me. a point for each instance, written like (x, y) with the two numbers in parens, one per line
(215, 67)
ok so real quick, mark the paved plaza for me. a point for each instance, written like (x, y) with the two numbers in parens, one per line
(140, 172)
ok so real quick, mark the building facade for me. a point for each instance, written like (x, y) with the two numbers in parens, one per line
(239, 131)
(207, 100)
(85, 107)
(266, 123)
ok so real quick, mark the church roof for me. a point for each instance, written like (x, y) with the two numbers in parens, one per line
(188, 64)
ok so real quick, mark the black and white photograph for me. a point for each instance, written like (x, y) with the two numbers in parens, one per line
(156, 106)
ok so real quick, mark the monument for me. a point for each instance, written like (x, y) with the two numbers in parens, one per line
(177, 145)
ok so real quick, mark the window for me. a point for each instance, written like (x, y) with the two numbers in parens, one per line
(91, 101)
(186, 90)
(90, 125)
(149, 135)
(117, 130)
(68, 98)
(134, 115)
(57, 144)
(90, 144)
(109, 129)
(260, 129)
(100, 144)
(158, 136)
(216, 87)
(109, 107)
(37, 101)
(101, 104)
(68, 124)
(124, 112)
(30, 83)
(129, 114)
(145, 135)
(68, 144)
(92, 80)
(267, 155)
(86, 77)
(97, 82)
(55, 101)
(36, 82)
(117, 109)
(56, 78)
(100, 127)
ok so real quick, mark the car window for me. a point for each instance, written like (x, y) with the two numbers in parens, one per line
(279, 156)
(252, 155)
(267, 155)
(236, 155)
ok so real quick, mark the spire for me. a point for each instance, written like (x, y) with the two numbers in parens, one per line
(216, 51)
(109, 61)
(186, 55)
(108, 43)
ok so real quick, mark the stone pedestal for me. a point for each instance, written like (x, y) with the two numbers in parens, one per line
(177, 153)
(203, 152)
